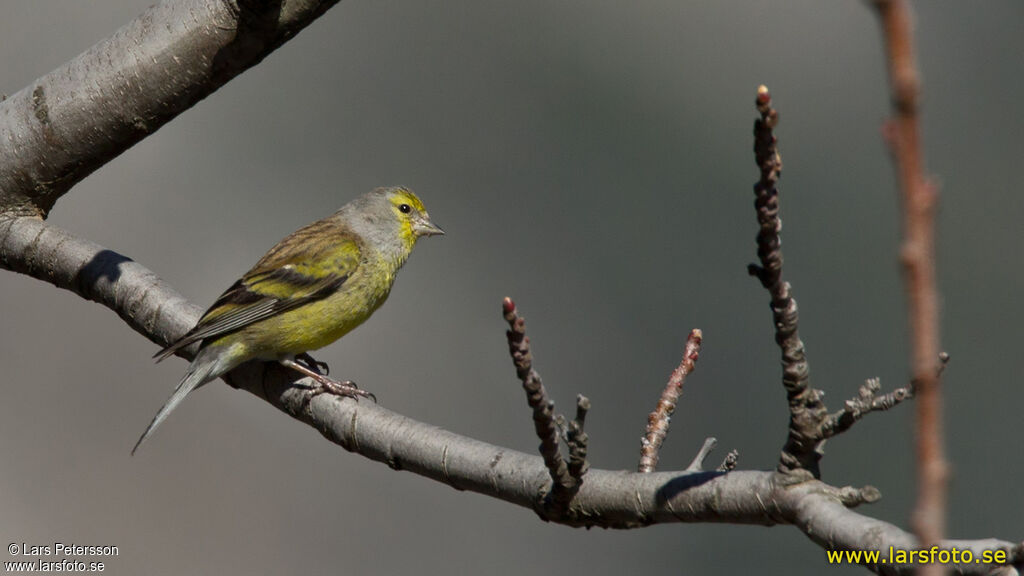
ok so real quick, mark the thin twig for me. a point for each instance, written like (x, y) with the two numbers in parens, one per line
(697, 464)
(943, 361)
(807, 412)
(919, 198)
(730, 461)
(545, 424)
(658, 421)
(867, 401)
(577, 440)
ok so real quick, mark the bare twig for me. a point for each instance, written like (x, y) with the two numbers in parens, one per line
(730, 461)
(919, 198)
(807, 412)
(943, 362)
(658, 420)
(867, 401)
(564, 486)
(852, 497)
(577, 440)
(697, 464)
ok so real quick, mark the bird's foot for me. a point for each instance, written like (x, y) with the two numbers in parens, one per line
(345, 388)
(325, 385)
(314, 364)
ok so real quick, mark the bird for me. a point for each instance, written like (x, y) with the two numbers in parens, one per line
(313, 287)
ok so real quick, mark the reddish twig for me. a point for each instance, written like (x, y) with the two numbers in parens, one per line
(658, 421)
(918, 258)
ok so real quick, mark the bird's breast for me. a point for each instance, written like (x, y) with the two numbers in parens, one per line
(321, 322)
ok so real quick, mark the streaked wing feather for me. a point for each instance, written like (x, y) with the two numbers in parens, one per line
(250, 299)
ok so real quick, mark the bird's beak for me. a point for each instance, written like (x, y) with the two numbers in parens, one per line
(422, 226)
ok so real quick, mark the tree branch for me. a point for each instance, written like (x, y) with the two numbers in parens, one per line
(548, 426)
(807, 411)
(918, 255)
(610, 499)
(867, 401)
(658, 420)
(65, 125)
(810, 424)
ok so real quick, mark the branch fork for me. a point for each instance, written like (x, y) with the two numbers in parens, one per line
(810, 424)
(550, 427)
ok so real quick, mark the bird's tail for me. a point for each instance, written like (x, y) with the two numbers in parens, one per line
(203, 369)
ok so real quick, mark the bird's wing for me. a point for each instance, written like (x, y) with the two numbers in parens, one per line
(309, 264)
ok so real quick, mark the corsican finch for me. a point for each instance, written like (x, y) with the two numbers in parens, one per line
(310, 289)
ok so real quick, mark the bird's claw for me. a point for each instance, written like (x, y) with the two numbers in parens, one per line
(346, 388)
(324, 385)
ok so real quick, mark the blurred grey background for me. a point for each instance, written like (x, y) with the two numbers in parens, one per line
(590, 159)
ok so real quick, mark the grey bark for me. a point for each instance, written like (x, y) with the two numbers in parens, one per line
(63, 126)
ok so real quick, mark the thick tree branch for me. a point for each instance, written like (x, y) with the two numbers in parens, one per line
(65, 125)
(612, 499)
(145, 302)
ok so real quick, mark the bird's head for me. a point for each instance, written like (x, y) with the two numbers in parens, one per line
(411, 213)
(390, 220)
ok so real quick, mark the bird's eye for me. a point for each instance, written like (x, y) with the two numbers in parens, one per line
(404, 208)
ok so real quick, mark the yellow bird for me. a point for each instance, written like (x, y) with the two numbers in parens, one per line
(313, 287)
